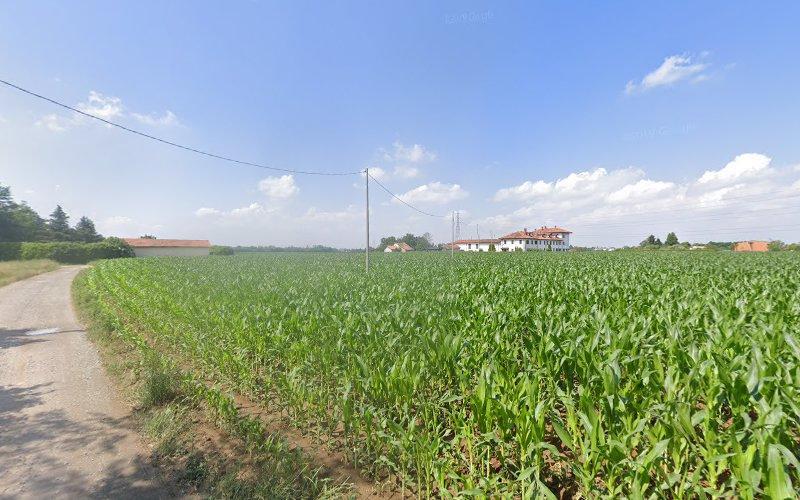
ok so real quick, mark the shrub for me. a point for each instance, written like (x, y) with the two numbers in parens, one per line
(221, 250)
(66, 252)
(10, 251)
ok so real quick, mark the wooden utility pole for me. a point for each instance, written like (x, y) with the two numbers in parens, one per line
(366, 250)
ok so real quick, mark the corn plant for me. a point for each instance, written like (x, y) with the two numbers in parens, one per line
(536, 374)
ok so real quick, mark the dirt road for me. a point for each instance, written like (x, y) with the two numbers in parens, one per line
(63, 431)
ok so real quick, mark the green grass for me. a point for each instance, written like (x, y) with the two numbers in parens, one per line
(534, 374)
(17, 270)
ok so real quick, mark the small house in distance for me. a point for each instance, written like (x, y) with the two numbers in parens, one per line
(150, 247)
(751, 246)
(476, 245)
(401, 247)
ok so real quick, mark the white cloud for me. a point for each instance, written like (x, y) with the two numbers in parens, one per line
(616, 205)
(642, 189)
(377, 173)
(167, 119)
(106, 107)
(406, 159)
(406, 171)
(525, 191)
(434, 192)
(282, 187)
(415, 153)
(206, 212)
(580, 181)
(53, 123)
(716, 197)
(744, 166)
(673, 70)
(576, 185)
(102, 106)
(251, 209)
(312, 214)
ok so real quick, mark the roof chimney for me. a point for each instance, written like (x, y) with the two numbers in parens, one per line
(525, 229)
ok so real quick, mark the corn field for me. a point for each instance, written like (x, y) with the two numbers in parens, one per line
(659, 374)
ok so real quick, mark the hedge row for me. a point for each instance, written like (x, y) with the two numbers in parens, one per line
(66, 252)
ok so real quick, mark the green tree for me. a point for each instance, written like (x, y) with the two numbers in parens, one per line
(776, 245)
(26, 225)
(492, 248)
(58, 223)
(672, 239)
(423, 242)
(85, 231)
(386, 241)
(650, 241)
(18, 221)
(6, 209)
(6, 201)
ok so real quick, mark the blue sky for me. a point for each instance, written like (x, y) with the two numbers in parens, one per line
(612, 120)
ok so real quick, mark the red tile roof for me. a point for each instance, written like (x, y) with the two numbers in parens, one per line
(149, 242)
(751, 246)
(401, 246)
(482, 240)
(542, 233)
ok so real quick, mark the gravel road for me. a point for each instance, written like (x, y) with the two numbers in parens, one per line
(64, 433)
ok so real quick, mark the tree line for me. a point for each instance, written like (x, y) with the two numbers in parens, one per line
(424, 242)
(653, 242)
(20, 223)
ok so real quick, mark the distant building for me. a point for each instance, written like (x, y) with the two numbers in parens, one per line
(544, 238)
(401, 247)
(477, 245)
(751, 246)
(149, 247)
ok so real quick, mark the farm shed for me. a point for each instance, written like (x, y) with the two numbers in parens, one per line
(402, 247)
(148, 247)
(751, 246)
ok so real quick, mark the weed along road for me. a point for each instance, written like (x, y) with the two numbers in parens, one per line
(63, 431)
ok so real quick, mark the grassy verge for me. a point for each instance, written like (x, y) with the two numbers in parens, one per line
(199, 437)
(16, 270)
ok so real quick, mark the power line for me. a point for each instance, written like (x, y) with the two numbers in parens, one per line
(404, 202)
(170, 143)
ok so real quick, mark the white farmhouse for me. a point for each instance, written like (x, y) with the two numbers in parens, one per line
(545, 238)
(477, 245)
(149, 247)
